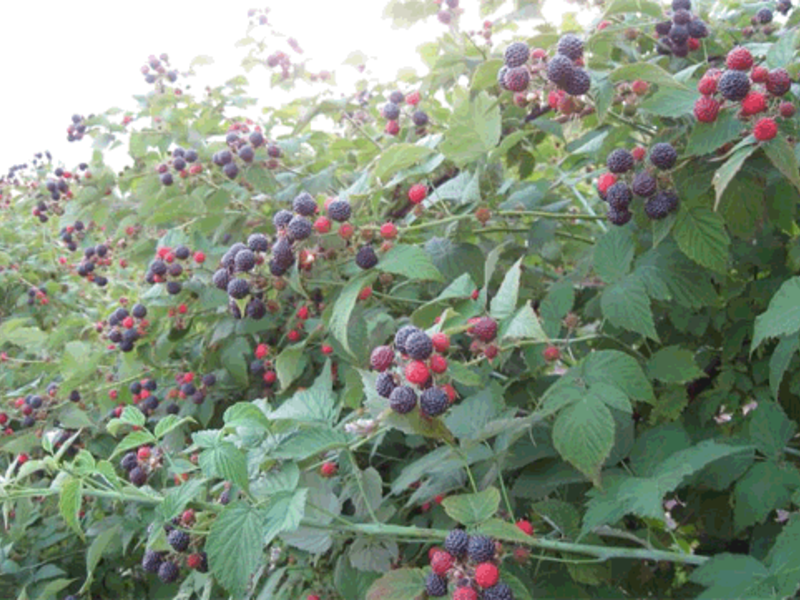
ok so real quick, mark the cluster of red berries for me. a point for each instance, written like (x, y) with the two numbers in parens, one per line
(125, 327)
(167, 566)
(682, 33)
(76, 129)
(263, 366)
(756, 90)
(470, 563)
(420, 362)
(392, 112)
(483, 331)
(653, 183)
(155, 69)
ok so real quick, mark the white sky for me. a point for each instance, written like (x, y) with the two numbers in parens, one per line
(83, 56)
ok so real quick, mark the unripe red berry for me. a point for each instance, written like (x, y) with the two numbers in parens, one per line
(417, 372)
(388, 231)
(322, 225)
(551, 353)
(143, 453)
(199, 257)
(417, 193)
(328, 469)
(438, 363)
(441, 342)
(261, 351)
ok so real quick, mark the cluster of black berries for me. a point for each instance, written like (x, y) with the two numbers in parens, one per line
(167, 268)
(76, 129)
(94, 257)
(57, 188)
(70, 233)
(392, 112)
(618, 187)
(187, 388)
(236, 276)
(447, 14)
(30, 407)
(126, 328)
(470, 563)
(416, 362)
(155, 70)
(140, 464)
(37, 294)
(784, 6)
(565, 69)
(143, 396)
(166, 565)
(242, 148)
(181, 160)
(681, 34)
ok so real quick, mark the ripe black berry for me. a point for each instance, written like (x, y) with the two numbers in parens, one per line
(619, 217)
(396, 97)
(137, 476)
(391, 111)
(559, 70)
(129, 462)
(282, 218)
(384, 384)
(517, 54)
(420, 118)
(578, 83)
(151, 561)
(734, 85)
(660, 205)
(517, 79)
(679, 34)
(166, 179)
(501, 76)
(255, 309)
(434, 401)
(175, 270)
(620, 161)
(644, 184)
(480, 548)
(681, 17)
(499, 591)
(681, 4)
(366, 257)
(230, 170)
(282, 254)
(158, 267)
(299, 228)
(168, 571)
(179, 540)
(221, 279)
(182, 252)
(436, 586)
(570, 46)
(247, 154)
(418, 346)
(697, 29)
(764, 16)
(456, 543)
(339, 210)
(680, 50)
(256, 139)
(663, 156)
(238, 288)
(190, 156)
(403, 399)
(402, 335)
(209, 380)
(151, 385)
(258, 242)
(174, 287)
(179, 164)
(74, 396)
(245, 261)
(304, 204)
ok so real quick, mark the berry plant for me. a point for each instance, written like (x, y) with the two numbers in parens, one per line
(522, 325)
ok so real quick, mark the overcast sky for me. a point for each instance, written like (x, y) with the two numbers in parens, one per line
(84, 56)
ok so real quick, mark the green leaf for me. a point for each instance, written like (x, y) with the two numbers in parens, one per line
(670, 102)
(176, 498)
(733, 576)
(765, 487)
(309, 442)
(290, 364)
(410, 261)
(673, 365)
(96, 550)
(583, 435)
(485, 76)
(246, 414)
(525, 325)
(647, 72)
(518, 588)
(780, 360)
(315, 404)
(555, 306)
(669, 276)
(782, 558)
(133, 440)
(770, 429)
(69, 504)
(168, 423)
(504, 531)
(626, 304)
(782, 155)
(283, 512)
(781, 52)
(708, 137)
(472, 509)
(400, 584)
(647, 7)
(474, 127)
(235, 546)
(234, 359)
(343, 308)
(701, 235)
(617, 369)
(613, 254)
(226, 461)
(505, 301)
(399, 157)
(782, 316)
(728, 171)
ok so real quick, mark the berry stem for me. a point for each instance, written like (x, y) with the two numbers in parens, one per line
(362, 132)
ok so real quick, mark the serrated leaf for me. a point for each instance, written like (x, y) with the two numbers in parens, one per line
(96, 550)
(226, 461)
(343, 308)
(626, 304)
(399, 157)
(504, 302)
(169, 423)
(782, 155)
(69, 504)
(728, 171)
(310, 441)
(765, 487)
(246, 414)
(769, 429)
(583, 435)
(634, 6)
(780, 360)
(525, 325)
(315, 404)
(670, 102)
(410, 261)
(613, 254)
(176, 498)
(283, 512)
(474, 128)
(673, 365)
(708, 137)
(472, 509)
(290, 364)
(701, 235)
(133, 440)
(400, 584)
(735, 576)
(647, 72)
(504, 531)
(782, 316)
(373, 555)
(235, 546)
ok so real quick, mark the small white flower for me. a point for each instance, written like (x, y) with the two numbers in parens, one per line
(749, 407)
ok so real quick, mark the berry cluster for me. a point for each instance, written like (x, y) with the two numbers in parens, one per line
(69, 233)
(339, 210)
(76, 129)
(682, 33)
(34, 407)
(165, 269)
(188, 387)
(167, 566)
(141, 464)
(37, 294)
(142, 393)
(653, 183)
(126, 328)
(263, 366)
(58, 188)
(155, 69)
(181, 159)
(755, 89)
(420, 361)
(236, 275)
(471, 565)
(483, 331)
(391, 112)
(94, 257)
(448, 13)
